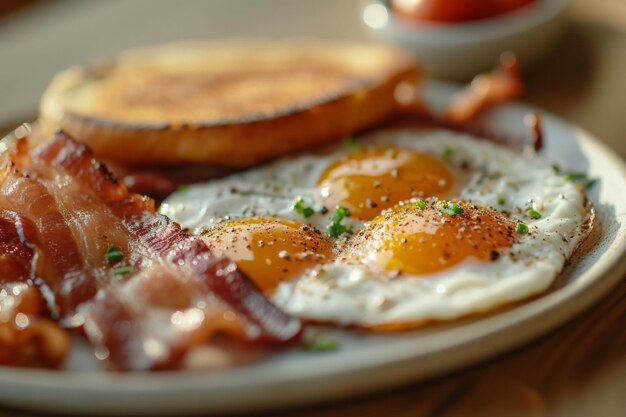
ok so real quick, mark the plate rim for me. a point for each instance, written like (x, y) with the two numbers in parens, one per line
(550, 308)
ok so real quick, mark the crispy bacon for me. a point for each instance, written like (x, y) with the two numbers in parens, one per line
(59, 258)
(502, 84)
(17, 260)
(27, 336)
(161, 181)
(168, 293)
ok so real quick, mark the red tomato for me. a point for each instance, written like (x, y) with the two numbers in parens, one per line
(455, 10)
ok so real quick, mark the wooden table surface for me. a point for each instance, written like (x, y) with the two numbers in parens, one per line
(577, 370)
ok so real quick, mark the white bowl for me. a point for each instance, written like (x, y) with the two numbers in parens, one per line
(458, 51)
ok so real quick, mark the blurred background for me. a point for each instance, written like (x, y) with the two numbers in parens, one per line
(581, 77)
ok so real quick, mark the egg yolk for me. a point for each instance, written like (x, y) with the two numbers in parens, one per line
(427, 240)
(374, 179)
(269, 250)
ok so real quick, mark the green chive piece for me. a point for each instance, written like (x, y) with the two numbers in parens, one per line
(113, 254)
(299, 207)
(335, 228)
(182, 187)
(298, 204)
(421, 204)
(521, 228)
(590, 182)
(324, 210)
(122, 270)
(533, 213)
(447, 152)
(556, 168)
(451, 209)
(501, 200)
(321, 343)
(581, 177)
(575, 176)
(351, 143)
(340, 213)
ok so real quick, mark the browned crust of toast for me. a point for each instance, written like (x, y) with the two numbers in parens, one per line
(235, 139)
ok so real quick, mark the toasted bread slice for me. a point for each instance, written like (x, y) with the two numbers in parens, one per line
(230, 102)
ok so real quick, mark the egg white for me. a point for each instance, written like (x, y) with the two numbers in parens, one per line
(271, 190)
(350, 294)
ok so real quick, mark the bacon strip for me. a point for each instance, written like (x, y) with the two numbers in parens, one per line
(178, 294)
(502, 84)
(27, 336)
(17, 260)
(33, 205)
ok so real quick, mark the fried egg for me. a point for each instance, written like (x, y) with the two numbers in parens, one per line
(400, 229)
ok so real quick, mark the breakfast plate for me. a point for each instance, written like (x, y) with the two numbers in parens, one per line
(365, 362)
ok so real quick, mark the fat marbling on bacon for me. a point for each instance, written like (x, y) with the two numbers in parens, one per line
(167, 294)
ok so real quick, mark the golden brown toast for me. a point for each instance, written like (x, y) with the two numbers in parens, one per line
(230, 102)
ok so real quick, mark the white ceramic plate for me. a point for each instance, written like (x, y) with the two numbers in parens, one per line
(364, 362)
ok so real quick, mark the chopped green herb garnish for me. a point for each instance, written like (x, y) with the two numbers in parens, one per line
(340, 213)
(122, 270)
(352, 143)
(451, 209)
(322, 342)
(299, 207)
(521, 228)
(421, 204)
(576, 176)
(533, 213)
(580, 177)
(501, 200)
(324, 210)
(590, 182)
(335, 228)
(113, 254)
(182, 187)
(447, 152)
